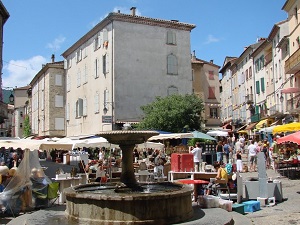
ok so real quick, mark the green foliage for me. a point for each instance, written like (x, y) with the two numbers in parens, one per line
(27, 128)
(174, 113)
(192, 141)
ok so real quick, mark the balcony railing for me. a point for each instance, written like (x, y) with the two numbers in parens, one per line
(292, 64)
(255, 118)
(249, 98)
(293, 103)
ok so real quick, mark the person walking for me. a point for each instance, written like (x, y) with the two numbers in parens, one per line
(239, 162)
(197, 153)
(220, 150)
(252, 150)
(227, 150)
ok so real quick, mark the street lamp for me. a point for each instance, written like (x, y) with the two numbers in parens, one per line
(281, 100)
(105, 109)
(11, 98)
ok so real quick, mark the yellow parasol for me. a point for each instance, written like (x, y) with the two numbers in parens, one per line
(290, 127)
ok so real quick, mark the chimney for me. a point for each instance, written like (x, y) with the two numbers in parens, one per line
(194, 55)
(119, 11)
(132, 9)
(53, 58)
(211, 61)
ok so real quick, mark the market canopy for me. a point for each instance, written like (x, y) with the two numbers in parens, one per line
(21, 143)
(294, 138)
(268, 130)
(261, 124)
(170, 136)
(290, 127)
(217, 133)
(198, 134)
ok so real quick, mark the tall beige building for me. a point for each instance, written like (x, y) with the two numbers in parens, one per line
(292, 62)
(48, 101)
(4, 15)
(206, 86)
(123, 63)
(21, 101)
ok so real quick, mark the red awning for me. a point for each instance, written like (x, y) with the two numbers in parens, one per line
(290, 90)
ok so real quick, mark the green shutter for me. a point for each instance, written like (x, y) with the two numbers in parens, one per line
(257, 87)
(262, 84)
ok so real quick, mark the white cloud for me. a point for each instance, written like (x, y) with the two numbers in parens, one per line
(211, 39)
(56, 44)
(21, 72)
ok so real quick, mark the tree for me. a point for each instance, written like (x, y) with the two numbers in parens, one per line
(173, 113)
(27, 128)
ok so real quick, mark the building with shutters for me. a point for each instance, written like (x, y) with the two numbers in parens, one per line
(123, 63)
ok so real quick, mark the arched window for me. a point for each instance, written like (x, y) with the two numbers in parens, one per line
(172, 64)
(172, 90)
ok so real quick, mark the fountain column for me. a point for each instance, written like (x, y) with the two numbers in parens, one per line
(127, 175)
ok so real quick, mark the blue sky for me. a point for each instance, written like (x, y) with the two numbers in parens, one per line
(38, 28)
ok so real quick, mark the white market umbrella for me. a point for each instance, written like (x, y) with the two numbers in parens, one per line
(217, 133)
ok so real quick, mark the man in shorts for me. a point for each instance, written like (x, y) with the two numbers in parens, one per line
(252, 150)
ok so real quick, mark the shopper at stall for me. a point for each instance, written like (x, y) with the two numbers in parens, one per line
(101, 175)
(222, 175)
(197, 153)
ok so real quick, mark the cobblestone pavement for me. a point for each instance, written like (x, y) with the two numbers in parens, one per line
(286, 212)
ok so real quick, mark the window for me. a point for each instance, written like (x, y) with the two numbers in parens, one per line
(85, 74)
(68, 83)
(105, 63)
(59, 124)
(21, 125)
(79, 107)
(172, 64)
(84, 110)
(21, 114)
(68, 112)
(97, 41)
(172, 90)
(257, 87)
(262, 84)
(250, 72)
(213, 112)
(96, 103)
(58, 80)
(59, 101)
(296, 14)
(211, 93)
(79, 55)
(211, 75)
(171, 38)
(259, 63)
(96, 68)
(105, 35)
(78, 78)
(247, 74)
(85, 51)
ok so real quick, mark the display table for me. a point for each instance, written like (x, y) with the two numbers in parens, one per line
(198, 185)
(65, 183)
(289, 168)
(172, 176)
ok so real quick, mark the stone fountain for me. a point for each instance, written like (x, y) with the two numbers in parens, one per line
(130, 202)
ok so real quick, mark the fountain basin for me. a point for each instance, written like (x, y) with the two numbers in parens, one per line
(168, 204)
